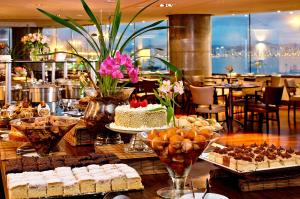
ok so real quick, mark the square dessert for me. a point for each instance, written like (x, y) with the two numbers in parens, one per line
(134, 181)
(261, 162)
(70, 186)
(17, 189)
(103, 182)
(37, 188)
(246, 164)
(274, 161)
(118, 181)
(86, 183)
(54, 186)
(287, 159)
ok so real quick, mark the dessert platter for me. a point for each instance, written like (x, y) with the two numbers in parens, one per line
(193, 121)
(252, 158)
(59, 176)
(138, 117)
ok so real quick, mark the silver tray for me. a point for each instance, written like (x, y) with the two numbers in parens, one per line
(128, 131)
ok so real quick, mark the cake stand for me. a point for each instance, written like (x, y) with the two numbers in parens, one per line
(136, 145)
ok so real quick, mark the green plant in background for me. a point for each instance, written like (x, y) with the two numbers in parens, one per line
(113, 63)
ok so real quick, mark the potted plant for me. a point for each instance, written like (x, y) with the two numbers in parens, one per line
(36, 43)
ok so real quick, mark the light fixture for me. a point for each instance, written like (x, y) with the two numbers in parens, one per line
(291, 12)
(278, 11)
(166, 5)
(233, 14)
(79, 15)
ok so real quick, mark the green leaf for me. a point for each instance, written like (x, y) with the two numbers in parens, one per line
(170, 113)
(170, 66)
(157, 109)
(98, 26)
(133, 36)
(115, 26)
(132, 19)
(68, 25)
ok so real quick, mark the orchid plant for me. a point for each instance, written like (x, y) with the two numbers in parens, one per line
(166, 94)
(113, 62)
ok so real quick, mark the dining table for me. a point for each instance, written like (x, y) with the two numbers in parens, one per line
(231, 88)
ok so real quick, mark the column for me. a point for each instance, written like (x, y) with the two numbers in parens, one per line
(190, 43)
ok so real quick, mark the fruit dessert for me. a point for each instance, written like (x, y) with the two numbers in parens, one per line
(139, 115)
(179, 148)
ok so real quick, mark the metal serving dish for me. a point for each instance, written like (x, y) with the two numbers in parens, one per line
(2, 91)
(70, 88)
(19, 94)
(43, 92)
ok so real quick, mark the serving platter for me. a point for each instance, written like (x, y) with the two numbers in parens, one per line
(115, 128)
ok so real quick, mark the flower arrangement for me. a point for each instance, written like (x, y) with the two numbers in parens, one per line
(20, 71)
(113, 63)
(112, 69)
(166, 94)
(35, 40)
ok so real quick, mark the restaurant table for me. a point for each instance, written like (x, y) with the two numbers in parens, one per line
(154, 182)
(232, 87)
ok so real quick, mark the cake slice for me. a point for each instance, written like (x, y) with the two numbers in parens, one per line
(70, 186)
(54, 187)
(287, 159)
(274, 162)
(37, 188)
(103, 182)
(118, 181)
(261, 162)
(17, 189)
(86, 183)
(134, 181)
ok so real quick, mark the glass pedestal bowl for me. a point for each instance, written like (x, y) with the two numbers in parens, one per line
(44, 133)
(178, 149)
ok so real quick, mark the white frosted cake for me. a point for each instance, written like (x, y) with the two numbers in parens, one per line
(139, 118)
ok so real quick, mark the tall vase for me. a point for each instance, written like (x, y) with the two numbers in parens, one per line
(34, 54)
(101, 111)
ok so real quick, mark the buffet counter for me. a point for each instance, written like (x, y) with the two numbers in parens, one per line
(200, 171)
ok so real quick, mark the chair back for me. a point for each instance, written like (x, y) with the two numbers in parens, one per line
(290, 86)
(202, 95)
(275, 80)
(149, 85)
(273, 95)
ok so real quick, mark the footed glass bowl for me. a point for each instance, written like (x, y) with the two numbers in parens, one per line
(44, 133)
(178, 149)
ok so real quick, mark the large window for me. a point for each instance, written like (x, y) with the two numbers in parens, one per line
(274, 43)
(230, 43)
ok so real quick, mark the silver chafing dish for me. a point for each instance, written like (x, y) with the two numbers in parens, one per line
(70, 88)
(2, 91)
(44, 92)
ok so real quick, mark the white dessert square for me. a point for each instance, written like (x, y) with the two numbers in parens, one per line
(37, 188)
(274, 163)
(103, 183)
(70, 186)
(243, 165)
(54, 187)
(86, 183)
(63, 171)
(80, 170)
(134, 181)
(93, 167)
(289, 161)
(17, 189)
(118, 181)
(219, 158)
(233, 163)
(212, 156)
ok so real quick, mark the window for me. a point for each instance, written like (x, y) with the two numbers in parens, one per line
(230, 43)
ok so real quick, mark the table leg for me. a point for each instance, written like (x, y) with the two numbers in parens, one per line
(230, 114)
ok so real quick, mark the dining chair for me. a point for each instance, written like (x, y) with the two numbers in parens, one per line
(203, 101)
(148, 87)
(268, 104)
(291, 88)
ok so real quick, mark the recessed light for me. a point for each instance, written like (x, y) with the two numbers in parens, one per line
(79, 15)
(233, 14)
(291, 12)
(166, 5)
(110, 1)
(278, 11)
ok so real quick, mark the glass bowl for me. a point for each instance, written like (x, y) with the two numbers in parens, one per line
(44, 133)
(178, 149)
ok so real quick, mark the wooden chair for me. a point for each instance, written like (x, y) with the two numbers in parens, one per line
(203, 100)
(291, 88)
(147, 90)
(269, 104)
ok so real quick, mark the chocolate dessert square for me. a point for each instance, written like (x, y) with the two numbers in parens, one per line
(44, 167)
(43, 160)
(17, 168)
(30, 168)
(86, 162)
(101, 161)
(28, 161)
(114, 161)
(14, 162)
(56, 164)
(72, 162)
(84, 157)
(96, 155)
(57, 158)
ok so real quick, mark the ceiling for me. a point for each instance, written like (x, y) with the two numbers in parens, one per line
(21, 12)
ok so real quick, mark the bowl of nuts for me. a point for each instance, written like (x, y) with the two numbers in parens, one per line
(44, 133)
(178, 149)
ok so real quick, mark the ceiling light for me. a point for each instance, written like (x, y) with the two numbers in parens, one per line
(166, 5)
(110, 1)
(278, 11)
(233, 14)
(245, 15)
(79, 15)
(291, 12)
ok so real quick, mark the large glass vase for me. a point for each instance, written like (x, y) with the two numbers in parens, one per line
(178, 149)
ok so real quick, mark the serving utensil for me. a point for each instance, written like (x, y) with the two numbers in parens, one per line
(206, 188)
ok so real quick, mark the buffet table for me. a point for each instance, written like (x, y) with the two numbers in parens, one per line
(200, 171)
